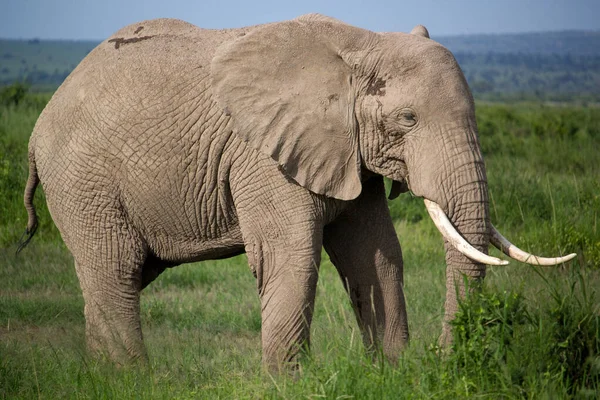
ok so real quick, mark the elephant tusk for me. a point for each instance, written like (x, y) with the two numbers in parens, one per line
(444, 225)
(513, 251)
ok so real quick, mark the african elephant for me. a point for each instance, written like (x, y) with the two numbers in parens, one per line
(171, 144)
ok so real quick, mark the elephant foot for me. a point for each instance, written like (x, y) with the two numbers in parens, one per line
(446, 338)
(109, 336)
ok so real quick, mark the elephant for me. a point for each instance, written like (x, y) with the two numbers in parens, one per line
(171, 144)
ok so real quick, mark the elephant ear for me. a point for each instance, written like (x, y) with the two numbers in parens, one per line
(420, 30)
(289, 94)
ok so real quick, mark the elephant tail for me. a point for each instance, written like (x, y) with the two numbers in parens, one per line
(32, 223)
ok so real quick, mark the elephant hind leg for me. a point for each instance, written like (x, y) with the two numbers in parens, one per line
(363, 246)
(109, 257)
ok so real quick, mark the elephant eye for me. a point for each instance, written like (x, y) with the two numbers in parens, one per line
(407, 117)
(399, 122)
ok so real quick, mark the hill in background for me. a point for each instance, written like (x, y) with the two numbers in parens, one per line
(579, 43)
(42, 63)
(546, 66)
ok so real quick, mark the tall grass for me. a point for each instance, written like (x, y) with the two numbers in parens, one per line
(529, 333)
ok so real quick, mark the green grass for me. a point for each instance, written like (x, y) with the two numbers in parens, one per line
(531, 333)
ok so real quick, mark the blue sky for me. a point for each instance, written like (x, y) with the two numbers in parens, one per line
(86, 19)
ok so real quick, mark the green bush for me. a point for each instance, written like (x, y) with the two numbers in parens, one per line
(484, 328)
(577, 240)
(502, 339)
(573, 350)
(13, 94)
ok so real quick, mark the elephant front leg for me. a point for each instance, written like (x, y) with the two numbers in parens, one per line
(282, 231)
(286, 281)
(363, 245)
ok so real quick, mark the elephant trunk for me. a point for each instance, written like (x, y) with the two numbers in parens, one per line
(467, 207)
(471, 219)
(466, 238)
(462, 216)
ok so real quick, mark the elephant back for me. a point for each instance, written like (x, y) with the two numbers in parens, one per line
(127, 78)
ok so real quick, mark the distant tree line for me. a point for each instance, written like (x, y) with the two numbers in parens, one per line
(559, 66)
(39, 78)
(532, 76)
(533, 62)
(548, 43)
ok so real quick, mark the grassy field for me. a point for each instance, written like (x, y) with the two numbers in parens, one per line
(531, 333)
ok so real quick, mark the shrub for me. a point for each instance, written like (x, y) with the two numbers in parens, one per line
(484, 327)
(574, 341)
(549, 343)
(13, 94)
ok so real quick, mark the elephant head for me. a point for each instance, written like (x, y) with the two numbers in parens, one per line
(331, 103)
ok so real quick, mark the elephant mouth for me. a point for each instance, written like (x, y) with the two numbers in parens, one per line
(441, 221)
(398, 187)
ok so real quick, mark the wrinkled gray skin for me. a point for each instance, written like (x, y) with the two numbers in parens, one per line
(171, 144)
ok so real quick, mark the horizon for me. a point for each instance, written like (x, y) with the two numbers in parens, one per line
(433, 36)
(86, 20)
